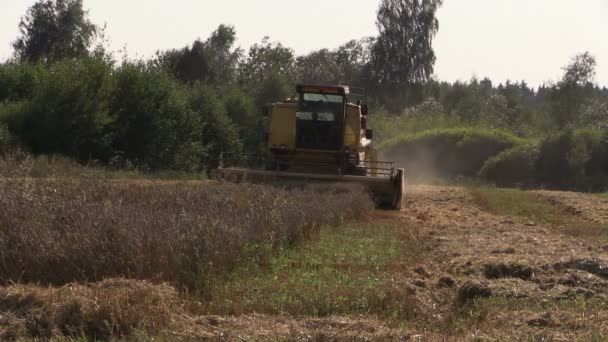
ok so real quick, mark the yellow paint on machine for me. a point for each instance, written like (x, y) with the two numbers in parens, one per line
(282, 130)
(352, 129)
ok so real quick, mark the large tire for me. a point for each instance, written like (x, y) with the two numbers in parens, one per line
(399, 190)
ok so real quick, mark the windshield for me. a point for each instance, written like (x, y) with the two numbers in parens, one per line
(320, 107)
(312, 97)
(319, 121)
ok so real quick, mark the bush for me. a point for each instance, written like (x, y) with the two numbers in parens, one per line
(219, 131)
(570, 160)
(242, 110)
(152, 123)
(67, 111)
(513, 167)
(89, 110)
(448, 152)
(574, 160)
(427, 116)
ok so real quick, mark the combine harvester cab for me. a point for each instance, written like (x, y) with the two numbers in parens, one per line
(316, 137)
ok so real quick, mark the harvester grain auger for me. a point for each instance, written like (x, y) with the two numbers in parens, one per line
(319, 136)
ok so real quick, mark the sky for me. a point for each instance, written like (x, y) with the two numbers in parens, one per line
(513, 40)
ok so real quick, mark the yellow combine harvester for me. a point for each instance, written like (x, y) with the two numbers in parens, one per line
(319, 136)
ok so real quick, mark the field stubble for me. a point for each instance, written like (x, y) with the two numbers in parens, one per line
(455, 264)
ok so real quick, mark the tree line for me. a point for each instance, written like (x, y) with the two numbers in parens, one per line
(65, 93)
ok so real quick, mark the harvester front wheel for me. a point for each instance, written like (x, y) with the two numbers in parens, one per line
(399, 190)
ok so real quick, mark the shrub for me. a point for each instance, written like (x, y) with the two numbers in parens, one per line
(428, 116)
(513, 167)
(219, 131)
(68, 110)
(448, 152)
(574, 159)
(242, 110)
(152, 123)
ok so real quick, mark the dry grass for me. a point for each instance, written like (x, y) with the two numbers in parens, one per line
(83, 237)
(60, 231)
(110, 309)
(520, 204)
(589, 231)
(17, 163)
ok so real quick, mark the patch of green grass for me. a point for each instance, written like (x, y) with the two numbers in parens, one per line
(347, 271)
(520, 204)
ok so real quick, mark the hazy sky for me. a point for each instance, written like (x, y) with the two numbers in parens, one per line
(502, 39)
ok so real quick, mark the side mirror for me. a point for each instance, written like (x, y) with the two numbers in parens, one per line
(364, 110)
(369, 134)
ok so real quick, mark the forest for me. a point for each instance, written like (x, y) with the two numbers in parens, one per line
(64, 92)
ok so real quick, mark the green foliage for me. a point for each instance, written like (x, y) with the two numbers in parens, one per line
(402, 54)
(570, 160)
(180, 110)
(575, 88)
(426, 116)
(267, 60)
(574, 159)
(448, 152)
(272, 89)
(152, 121)
(87, 109)
(319, 67)
(513, 167)
(53, 30)
(18, 80)
(213, 61)
(68, 110)
(344, 65)
(219, 132)
(241, 109)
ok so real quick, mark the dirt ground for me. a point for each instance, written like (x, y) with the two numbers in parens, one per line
(538, 282)
(483, 277)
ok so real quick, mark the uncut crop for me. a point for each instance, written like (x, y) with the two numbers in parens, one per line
(60, 231)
